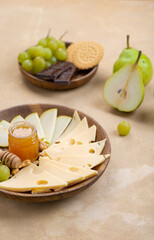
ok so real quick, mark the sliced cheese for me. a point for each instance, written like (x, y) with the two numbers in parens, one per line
(17, 119)
(74, 122)
(31, 178)
(5, 124)
(48, 122)
(35, 120)
(88, 161)
(69, 177)
(85, 173)
(61, 124)
(55, 151)
(3, 137)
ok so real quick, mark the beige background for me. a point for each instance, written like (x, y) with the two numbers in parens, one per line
(120, 205)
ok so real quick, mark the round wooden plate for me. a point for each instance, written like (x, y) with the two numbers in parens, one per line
(80, 78)
(24, 110)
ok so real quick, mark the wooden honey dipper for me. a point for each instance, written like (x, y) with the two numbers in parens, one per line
(10, 159)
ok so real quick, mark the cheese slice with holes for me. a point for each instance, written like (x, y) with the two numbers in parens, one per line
(31, 178)
(74, 122)
(69, 176)
(85, 173)
(55, 151)
(88, 161)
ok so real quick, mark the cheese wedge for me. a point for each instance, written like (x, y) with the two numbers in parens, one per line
(35, 120)
(75, 121)
(85, 173)
(61, 124)
(32, 177)
(3, 137)
(55, 151)
(17, 119)
(5, 124)
(48, 122)
(68, 176)
(87, 161)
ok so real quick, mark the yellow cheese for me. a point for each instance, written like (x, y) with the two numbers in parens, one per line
(69, 177)
(32, 177)
(88, 161)
(74, 122)
(56, 151)
(5, 124)
(85, 173)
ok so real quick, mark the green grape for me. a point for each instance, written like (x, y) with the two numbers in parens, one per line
(123, 128)
(23, 56)
(42, 42)
(38, 51)
(27, 65)
(4, 173)
(31, 51)
(39, 64)
(61, 44)
(52, 44)
(60, 54)
(47, 53)
(48, 64)
(53, 60)
(50, 38)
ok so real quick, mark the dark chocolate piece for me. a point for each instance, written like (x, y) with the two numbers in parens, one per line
(65, 77)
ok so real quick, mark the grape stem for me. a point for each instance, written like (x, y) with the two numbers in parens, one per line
(63, 35)
(48, 33)
(128, 37)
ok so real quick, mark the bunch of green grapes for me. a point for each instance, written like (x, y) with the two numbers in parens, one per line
(47, 52)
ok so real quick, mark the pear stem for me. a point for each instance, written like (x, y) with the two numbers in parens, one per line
(48, 33)
(138, 58)
(63, 35)
(128, 37)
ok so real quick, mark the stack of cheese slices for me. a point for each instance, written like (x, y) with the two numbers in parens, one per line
(67, 161)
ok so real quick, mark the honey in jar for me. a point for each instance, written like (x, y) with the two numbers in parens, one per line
(23, 140)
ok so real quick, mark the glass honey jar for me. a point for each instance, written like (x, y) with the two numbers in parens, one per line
(23, 141)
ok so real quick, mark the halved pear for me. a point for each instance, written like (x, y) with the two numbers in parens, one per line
(124, 90)
(48, 122)
(35, 120)
(61, 124)
(18, 118)
(5, 124)
(75, 121)
(3, 137)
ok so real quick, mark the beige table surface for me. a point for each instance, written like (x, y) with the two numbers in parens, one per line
(120, 205)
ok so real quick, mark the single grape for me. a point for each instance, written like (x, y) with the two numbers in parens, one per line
(4, 173)
(47, 53)
(38, 51)
(52, 44)
(39, 64)
(53, 60)
(27, 65)
(23, 56)
(48, 64)
(42, 42)
(31, 51)
(61, 44)
(123, 128)
(60, 54)
(50, 38)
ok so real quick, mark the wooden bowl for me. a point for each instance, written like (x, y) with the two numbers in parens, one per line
(80, 78)
(24, 110)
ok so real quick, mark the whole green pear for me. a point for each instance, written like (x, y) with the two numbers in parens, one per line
(129, 55)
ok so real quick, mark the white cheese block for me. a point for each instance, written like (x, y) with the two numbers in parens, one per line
(74, 122)
(3, 137)
(35, 120)
(61, 124)
(84, 137)
(31, 178)
(55, 151)
(5, 124)
(85, 173)
(88, 161)
(69, 177)
(17, 119)
(48, 122)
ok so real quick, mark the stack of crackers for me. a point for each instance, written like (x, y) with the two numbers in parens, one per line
(84, 54)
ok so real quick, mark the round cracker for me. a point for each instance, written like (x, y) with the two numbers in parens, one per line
(71, 50)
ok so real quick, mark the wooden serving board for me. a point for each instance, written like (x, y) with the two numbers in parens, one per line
(24, 110)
